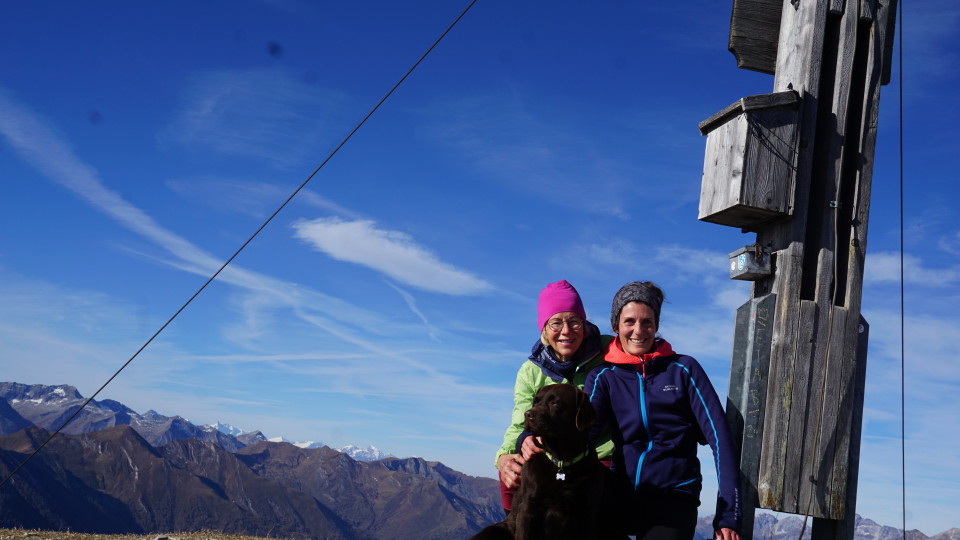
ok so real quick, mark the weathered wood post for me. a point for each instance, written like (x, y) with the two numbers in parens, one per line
(795, 167)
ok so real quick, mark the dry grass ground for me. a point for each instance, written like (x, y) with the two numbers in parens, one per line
(25, 534)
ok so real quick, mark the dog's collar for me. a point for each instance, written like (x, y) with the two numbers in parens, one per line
(561, 464)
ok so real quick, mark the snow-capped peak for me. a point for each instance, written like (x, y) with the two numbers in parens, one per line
(370, 453)
(226, 428)
(308, 444)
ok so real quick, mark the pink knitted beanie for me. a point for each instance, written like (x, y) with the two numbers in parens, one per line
(558, 297)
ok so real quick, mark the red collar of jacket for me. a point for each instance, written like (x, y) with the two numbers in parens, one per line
(615, 354)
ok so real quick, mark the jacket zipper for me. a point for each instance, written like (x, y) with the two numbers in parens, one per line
(646, 427)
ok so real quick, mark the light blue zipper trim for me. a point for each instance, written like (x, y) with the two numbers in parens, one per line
(691, 481)
(595, 379)
(716, 439)
(646, 427)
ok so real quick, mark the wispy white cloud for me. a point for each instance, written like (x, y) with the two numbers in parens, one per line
(702, 265)
(255, 198)
(392, 253)
(929, 340)
(43, 148)
(265, 113)
(697, 267)
(318, 201)
(950, 243)
(412, 304)
(884, 267)
(233, 195)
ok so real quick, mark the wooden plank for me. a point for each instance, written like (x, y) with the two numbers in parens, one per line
(868, 9)
(887, 21)
(846, 51)
(769, 167)
(789, 356)
(766, 101)
(736, 393)
(800, 46)
(748, 103)
(844, 396)
(746, 396)
(763, 323)
(780, 382)
(837, 6)
(829, 497)
(870, 91)
(843, 529)
(805, 473)
(723, 167)
(754, 33)
(856, 427)
(720, 118)
(800, 410)
(736, 404)
(868, 137)
(806, 375)
(763, 318)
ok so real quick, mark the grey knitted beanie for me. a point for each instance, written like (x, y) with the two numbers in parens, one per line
(636, 291)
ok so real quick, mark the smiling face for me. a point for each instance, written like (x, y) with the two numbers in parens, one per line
(567, 339)
(637, 328)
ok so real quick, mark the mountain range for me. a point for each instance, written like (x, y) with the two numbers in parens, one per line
(113, 470)
(49, 406)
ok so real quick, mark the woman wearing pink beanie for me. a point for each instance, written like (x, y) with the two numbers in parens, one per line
(568, 348)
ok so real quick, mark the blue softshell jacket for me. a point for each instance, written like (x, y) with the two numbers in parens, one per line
(657, 415)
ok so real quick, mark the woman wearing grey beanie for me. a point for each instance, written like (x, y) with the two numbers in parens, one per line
(658, 405)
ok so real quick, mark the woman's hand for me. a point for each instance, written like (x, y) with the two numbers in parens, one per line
(509, 466)
(726, 534)
(530, 446)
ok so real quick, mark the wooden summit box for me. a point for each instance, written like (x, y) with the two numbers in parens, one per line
(749, 167)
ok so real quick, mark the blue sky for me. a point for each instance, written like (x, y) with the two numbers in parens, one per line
(392, 301)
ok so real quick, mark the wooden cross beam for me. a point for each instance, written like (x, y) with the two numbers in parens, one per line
(795, 167)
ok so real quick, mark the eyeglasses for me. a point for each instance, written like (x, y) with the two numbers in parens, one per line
(557, 325)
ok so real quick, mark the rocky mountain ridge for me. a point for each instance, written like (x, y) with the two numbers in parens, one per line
(113, 470)
(115, 481)
(48, 406)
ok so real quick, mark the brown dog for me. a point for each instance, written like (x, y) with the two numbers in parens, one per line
(560, 489)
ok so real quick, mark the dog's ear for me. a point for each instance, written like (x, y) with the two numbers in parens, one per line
(585, 413)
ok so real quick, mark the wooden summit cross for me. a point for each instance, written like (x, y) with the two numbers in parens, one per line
(795, 167)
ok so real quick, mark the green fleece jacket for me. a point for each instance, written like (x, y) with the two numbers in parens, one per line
(531, 378)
